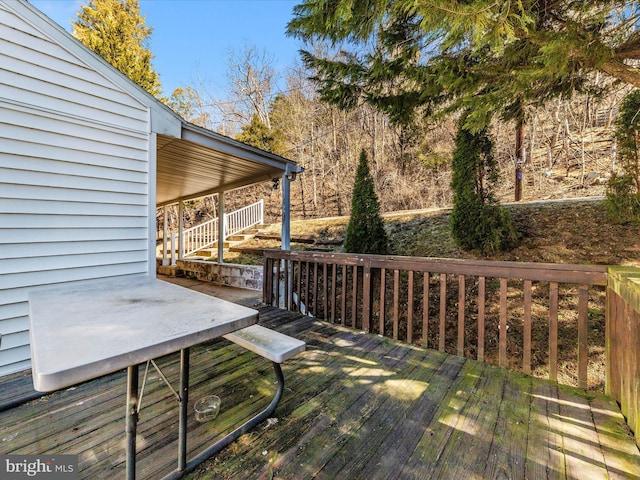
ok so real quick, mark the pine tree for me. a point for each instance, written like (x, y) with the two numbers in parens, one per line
(365, 231)
(478, 222)
(490, 57)
(115, 30)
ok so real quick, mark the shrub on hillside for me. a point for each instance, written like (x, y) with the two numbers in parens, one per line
(478, 222)
(623, 189)
(365, 231)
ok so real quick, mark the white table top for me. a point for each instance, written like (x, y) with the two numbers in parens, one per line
(83, 331)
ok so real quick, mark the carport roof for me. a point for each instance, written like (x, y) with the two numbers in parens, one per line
(201, 162)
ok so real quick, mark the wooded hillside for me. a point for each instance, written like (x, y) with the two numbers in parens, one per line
(568, 144)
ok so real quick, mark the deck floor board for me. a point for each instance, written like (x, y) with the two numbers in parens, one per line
(355, 406)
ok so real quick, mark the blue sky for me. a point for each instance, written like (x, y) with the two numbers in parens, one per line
(192, 38)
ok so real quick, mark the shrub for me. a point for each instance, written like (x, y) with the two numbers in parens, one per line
(365, 231)
(623, 200)
(478, 222)
(623, 190)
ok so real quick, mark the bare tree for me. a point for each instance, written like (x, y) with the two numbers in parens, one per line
(252, 83)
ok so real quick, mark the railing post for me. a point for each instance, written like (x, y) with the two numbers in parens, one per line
(623, 342)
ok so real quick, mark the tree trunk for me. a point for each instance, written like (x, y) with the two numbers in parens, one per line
(519, 157)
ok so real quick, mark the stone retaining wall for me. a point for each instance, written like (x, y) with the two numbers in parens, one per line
(240, 276)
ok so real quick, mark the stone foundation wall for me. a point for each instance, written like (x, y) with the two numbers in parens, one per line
(240, 276)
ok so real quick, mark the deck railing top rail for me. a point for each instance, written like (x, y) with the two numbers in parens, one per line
(562, 273)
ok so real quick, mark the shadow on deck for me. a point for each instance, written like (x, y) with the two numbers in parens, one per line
(355, 406)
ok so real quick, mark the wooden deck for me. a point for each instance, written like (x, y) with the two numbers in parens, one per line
(355, 406)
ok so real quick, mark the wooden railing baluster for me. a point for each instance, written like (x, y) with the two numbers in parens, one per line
(443, 311)
(410, 308)
(425, 309)
(396, 301)
(382, 315)
(526, 354)
(461, 310)
(583, 347)
(553, 331)
(343, 315)
(366, 298)
(334, 291)
(481, 300)
(314, 292)
(307, 287)
(325, 291)
(503, 323)
(354, 297)
(285, 293)
(298, 289)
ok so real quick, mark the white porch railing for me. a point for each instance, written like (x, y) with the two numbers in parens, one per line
(199, 237)
(206, 234)
(246, 217)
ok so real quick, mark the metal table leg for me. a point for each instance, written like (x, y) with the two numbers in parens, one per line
(184, 401)
(131, 420)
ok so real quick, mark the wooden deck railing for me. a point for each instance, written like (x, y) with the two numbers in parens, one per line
(525, 316)
(623, 342)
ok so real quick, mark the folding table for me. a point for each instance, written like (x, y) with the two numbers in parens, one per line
(85, 330)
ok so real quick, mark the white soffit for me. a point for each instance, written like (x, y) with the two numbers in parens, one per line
(203, 162)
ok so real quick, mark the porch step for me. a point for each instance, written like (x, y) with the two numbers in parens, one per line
(241, 237)
(296, 238)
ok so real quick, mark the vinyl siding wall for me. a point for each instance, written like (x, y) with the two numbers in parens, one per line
(74, 177)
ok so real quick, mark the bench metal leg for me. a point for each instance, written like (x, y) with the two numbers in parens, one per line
(241, 430)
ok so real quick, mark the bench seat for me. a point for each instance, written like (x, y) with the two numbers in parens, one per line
(270, 344)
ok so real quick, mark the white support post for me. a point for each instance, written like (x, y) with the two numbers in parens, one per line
(165, 234)
(181, 230)
(221, 227)
(261, 212)
(286, 211)
(173, 248)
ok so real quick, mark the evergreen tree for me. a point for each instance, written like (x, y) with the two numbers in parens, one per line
(365, 231)
(115, 30)
(257, 134)
(478, 222)
(623, 190)
(486, 56)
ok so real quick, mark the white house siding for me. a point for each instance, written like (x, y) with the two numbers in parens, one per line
(74, 175)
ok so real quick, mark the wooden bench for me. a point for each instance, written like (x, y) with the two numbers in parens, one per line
(269, 344)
